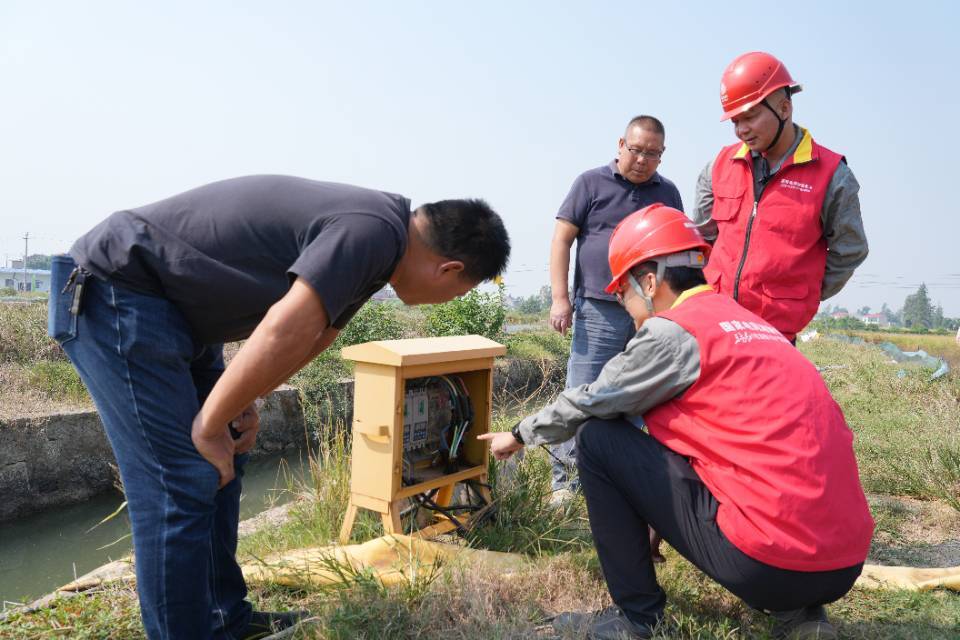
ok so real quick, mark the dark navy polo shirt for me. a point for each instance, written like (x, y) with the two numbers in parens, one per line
(598, 200)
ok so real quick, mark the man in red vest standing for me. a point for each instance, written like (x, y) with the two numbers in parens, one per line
(782, 212)
(748, 469)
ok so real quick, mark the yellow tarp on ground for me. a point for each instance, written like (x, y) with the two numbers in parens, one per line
(914, 579)
(392, 559)
(398, 558)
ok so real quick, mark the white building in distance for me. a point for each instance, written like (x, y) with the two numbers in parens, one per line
(25, 280)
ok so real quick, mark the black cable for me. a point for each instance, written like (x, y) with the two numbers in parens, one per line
(433, 506)
(488, 510)
(547, 449)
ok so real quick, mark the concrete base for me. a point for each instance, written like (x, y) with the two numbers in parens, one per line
(65, 458)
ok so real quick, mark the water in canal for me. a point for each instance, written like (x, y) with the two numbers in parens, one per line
(41, 552)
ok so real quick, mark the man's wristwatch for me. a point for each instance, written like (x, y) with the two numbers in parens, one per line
(515, 432)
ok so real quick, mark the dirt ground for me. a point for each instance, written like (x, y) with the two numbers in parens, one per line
(914, 533)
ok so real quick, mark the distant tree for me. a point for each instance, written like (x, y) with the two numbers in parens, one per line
(863, 311)
(937, 321)
(849, 323)
(891, 316)
(39, 261)
(545, 296)
(917, 310)
(896, 317)
(533, 304)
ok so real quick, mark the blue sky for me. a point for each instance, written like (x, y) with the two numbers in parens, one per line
(108, 105)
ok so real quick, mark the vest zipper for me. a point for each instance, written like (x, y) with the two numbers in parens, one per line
(743, 256)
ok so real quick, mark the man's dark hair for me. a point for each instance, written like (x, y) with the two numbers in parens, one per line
(679, 278)
(471, 232)
(646, 122)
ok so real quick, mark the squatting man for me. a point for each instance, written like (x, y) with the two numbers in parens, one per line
(748, 468)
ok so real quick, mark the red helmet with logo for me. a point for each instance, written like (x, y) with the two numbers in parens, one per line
(749, 79)
(653, 232)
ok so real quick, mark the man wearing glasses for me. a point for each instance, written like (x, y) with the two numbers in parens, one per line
(782, 212)
(598, 200)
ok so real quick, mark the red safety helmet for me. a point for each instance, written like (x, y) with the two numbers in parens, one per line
(749, 79)
(653, 232)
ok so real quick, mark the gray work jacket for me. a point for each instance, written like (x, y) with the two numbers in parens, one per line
(659, 363)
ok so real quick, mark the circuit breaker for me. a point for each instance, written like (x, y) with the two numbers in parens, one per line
(418, 406)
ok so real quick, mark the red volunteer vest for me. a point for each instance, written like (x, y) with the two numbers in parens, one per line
(778, 248)
(764, 434)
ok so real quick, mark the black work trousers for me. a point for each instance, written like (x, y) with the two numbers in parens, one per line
(630, 480)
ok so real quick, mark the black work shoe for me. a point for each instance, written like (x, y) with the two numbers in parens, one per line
(803, 624)
(609, 624)
(272, 625)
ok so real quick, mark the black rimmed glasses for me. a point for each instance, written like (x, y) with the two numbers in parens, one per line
(646, 154)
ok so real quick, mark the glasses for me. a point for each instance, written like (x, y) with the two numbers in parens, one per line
(644, 153)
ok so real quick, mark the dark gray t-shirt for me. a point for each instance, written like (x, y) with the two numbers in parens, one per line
(225, 252)
(598, 200)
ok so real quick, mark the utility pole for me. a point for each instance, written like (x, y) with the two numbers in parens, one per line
(26, 249)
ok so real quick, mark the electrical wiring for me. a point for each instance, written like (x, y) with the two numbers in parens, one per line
(443, 424)
(484, 511)
(461, 414)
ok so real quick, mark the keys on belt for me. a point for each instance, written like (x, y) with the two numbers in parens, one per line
(76, 283)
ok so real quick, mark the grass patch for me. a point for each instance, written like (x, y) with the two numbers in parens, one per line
(896, 420)
(464, 603)
(944, 346)
(539, 345)
(112, 614)
(57, 380)
(23, 334)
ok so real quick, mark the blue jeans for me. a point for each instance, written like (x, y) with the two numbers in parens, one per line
(601, 330)
(148, 376)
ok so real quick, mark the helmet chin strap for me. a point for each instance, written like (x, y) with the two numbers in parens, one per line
(694, 259)
(647, 300)
(780, 124)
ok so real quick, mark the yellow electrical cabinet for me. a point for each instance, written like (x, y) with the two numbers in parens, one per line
(418, 406)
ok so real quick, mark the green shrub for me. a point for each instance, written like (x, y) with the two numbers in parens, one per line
(23, 334)
(475, 313)
(319, 381)
(374, 321)
(540, 345)
(8, 291)
(319, 385)
(57, 380)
